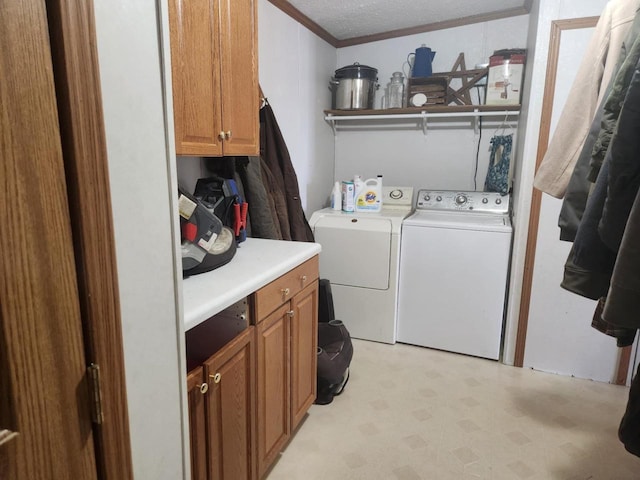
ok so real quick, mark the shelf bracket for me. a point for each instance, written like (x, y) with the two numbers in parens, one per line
(476, 122)
(423, 116)
(332, 122)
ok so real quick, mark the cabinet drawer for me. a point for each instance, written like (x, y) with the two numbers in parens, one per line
(282, 289)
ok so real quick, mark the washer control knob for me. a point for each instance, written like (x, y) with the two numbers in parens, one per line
(461, 199)
(498, 201)
(395, 194)
(427, 198)
(485, 200)
(438, 198)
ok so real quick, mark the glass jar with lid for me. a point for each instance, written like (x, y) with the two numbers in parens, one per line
(395, 91)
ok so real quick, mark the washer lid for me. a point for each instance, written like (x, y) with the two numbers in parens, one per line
(394, 214)
(459, 220)
(356, 250)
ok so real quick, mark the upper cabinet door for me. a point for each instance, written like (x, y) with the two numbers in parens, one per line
(214, 65)
(240, 92)
(195, 62)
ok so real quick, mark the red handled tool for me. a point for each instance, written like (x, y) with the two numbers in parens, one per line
(240, 220)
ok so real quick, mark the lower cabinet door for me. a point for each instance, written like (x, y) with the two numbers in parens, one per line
(304, 357)
(274, 415)
(197, 394)
(230, 410)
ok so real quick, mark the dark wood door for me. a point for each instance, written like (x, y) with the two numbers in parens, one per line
(45, 394)
(58, 262)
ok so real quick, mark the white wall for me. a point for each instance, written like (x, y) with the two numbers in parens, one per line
(559, 336)
(295, 66)
(141, 192)
(528, 127)
(445, 157)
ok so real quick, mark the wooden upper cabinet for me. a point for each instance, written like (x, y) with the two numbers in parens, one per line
(214, 58)
(240, 92)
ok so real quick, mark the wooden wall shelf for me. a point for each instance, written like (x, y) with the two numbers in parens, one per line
(423, 114)
(433, 109)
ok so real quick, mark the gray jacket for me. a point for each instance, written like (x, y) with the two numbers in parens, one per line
(630, 53)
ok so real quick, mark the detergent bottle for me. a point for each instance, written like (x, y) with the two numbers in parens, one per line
(369, 199)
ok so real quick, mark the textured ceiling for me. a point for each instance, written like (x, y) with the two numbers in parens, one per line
(345, 19)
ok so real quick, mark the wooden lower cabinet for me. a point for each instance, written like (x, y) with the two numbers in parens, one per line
(274, 420)
(230, 408)
(287, 367)
(247, 399)
(304, 359)
(222, 413)
(197, 391)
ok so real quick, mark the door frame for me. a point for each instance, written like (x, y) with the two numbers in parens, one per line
(77, 79)
(557, 27)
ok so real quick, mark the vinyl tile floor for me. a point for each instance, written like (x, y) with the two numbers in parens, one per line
(411, 413)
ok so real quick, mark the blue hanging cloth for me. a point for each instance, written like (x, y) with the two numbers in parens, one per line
(498, 173)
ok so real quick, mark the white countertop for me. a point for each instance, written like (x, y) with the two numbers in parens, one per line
(256, 263)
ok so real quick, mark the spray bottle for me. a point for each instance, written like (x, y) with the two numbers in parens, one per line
(358, 187)
(336, 197)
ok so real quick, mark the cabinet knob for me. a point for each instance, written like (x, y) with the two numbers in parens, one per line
(216, 378)
(227, 135)
(290, 313)
(204, 388)
(285, 292)
(303, 278)
(221, 135)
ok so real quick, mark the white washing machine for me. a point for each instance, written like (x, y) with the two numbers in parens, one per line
(454, 266)
(360, 257)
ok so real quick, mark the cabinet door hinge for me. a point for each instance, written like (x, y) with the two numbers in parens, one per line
(95, 391)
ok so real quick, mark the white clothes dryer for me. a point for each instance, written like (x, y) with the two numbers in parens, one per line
(360, 257)
(454, 265)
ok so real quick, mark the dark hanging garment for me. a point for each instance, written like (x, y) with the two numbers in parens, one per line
(275, 155)
(262, 204)
(629, 430)
(575, 198)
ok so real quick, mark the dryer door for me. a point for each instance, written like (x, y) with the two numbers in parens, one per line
(355, 251)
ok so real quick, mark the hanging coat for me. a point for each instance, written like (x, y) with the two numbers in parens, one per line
(588, 165)
(262, 204)
(586, 94)
(275, 154)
